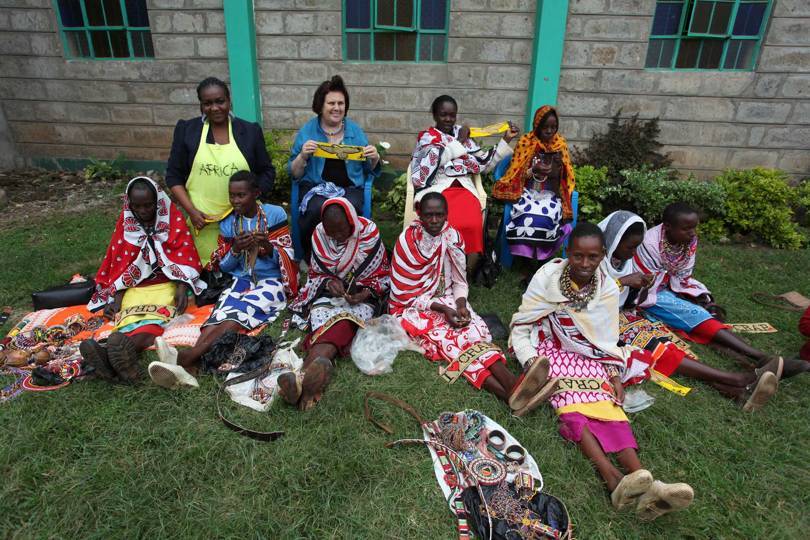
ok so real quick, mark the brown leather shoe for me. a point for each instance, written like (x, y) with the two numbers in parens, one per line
(123, 357)
(95, 356)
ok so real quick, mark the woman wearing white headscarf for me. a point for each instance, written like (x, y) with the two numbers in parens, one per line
(624, 232)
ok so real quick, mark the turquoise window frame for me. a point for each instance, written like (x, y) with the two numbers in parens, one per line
(684, 34)
(376, 29)
(87, 28)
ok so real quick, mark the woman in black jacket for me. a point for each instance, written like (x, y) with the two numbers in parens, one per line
(206, 152)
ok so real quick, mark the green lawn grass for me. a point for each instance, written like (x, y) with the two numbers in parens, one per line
(100, 461)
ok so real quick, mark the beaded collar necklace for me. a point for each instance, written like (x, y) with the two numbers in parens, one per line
(578, 298)
(674, 256)
(338, 130)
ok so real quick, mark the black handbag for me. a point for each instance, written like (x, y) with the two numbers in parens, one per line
(489, 267)
(72, 294)
(217, 282)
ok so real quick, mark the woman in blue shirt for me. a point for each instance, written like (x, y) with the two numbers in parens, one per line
(254, 247)
(322, 178)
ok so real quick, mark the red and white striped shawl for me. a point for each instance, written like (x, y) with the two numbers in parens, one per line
(417, 267)
(331, 260)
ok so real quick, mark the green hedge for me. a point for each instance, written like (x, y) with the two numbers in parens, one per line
(758, 202)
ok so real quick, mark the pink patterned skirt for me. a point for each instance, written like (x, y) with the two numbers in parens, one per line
(590, 384)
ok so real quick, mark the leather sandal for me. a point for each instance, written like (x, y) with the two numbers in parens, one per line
(662, 499)
(534, 379)
(630, 488)
(290, 387)
(758, 392)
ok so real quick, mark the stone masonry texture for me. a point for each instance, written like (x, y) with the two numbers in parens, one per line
(709, 120)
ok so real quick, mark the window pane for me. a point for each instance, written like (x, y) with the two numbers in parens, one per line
(405, 13)
(399, 46)
(688, 53)
(385, 13)
(749, 19)
(406, 46)
(112, 10)
(667, 19)
(653, 52)
(431, 47)
(434, 15)
(659, 53)
(438, 46)
(701, 17)
(71, 13)
(149, 50)
(358, 13)
(95, 13)
(384, 46)
(101, 44)
(740, 54)
(358, 46)
(710, 54)
(77, 44)
(722, 14)
(136, 13)
(120, 46)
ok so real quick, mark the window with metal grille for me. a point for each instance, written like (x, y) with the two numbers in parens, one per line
(707, 34)
(395, 30)
(105, 29)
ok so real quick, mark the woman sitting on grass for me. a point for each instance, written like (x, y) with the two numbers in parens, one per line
(570, 316)
(676, 298)
(347, 281)
(429, 296)
(150, 265)
(624, 231)
(256, 249)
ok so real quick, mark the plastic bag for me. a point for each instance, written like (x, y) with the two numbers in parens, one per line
(636, 400)
(376, 346)
(259, 395)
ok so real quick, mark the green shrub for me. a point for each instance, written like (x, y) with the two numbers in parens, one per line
(101, 170)
(627, 144)
(394, 200)
(647, 192)
(801, 202)
(279, 143)
(591, 183)
(759, 203)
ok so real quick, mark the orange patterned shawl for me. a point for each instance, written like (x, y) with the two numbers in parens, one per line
(510, 186)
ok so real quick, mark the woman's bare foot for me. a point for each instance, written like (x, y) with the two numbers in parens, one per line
(316, 378)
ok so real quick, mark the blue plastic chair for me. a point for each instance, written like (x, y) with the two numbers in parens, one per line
(295, 201)
(500, 240)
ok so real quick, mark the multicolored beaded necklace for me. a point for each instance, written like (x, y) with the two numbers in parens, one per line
(674, 256)
(241, 225)
(578, 298)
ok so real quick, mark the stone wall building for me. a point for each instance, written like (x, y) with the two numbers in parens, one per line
(499, 58)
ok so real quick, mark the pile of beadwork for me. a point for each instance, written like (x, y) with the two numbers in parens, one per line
(491, 483)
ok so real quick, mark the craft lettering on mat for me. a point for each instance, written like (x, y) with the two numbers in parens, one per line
(753, 328)
(576, 384)
(456, 368)
(212, 169)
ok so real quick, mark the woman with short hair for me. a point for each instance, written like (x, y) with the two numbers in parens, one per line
(320, 178)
